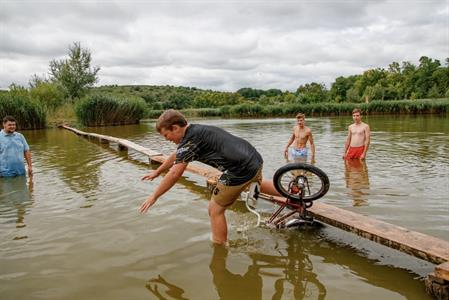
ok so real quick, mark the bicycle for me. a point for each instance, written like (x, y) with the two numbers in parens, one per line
(300, 184)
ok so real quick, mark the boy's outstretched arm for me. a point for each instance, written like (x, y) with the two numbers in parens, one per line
(167, 182)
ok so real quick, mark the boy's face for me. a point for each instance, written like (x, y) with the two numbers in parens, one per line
(300, 122)
(357, 117)
(9, 127)
(174, 135)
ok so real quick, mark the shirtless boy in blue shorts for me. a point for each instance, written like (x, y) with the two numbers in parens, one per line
(301, 134)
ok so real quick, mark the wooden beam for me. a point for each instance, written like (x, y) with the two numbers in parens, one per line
(413, 243)
(442, 271)
(119, 141)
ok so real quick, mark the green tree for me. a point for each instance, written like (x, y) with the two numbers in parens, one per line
(372, 78)
(74, 73)
(341, 86)
(312, 93)
(177, 101)
(441, 78)
(409, 83)
(424, 80)
(250, 93)
(353, 94)
(50, 94)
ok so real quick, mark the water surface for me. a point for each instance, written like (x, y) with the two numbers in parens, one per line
(74, 232)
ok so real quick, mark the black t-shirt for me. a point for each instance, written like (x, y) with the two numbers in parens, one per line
(211, 145)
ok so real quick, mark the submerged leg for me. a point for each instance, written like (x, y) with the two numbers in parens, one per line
(218, 223)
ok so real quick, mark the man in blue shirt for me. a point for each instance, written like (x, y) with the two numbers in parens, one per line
(13, 148)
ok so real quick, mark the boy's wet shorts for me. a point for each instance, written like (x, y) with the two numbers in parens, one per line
(225, 195)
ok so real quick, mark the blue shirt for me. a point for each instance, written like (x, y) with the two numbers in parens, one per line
(12, 149)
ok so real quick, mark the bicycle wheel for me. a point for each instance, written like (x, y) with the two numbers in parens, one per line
(300, 181)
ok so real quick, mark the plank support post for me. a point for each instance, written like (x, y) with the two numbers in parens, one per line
(122, 148)
(436, 287)
(437, 282)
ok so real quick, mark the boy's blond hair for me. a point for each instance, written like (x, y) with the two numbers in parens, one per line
(300, 116)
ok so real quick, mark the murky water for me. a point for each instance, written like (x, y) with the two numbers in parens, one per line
(75, 231)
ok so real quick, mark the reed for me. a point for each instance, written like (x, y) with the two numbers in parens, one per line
(424, 106)
(29, 114)
(249, 110)
(105, 110)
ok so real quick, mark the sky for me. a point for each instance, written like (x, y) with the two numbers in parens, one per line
(221, 45)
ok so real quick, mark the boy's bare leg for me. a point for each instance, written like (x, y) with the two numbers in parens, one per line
(267, 187)
(218, 223)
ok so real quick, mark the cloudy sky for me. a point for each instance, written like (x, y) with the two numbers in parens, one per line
(222, 45)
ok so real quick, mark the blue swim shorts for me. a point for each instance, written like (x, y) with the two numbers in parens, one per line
(298, 152)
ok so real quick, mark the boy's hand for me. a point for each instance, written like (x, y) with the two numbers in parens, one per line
(147, 204)
(151, 176)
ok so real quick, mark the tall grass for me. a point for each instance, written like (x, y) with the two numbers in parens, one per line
(104, 110)
(249, 110)
(329, 108)
(29, 114)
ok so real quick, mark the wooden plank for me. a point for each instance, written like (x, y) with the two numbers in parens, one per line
(411, 242)
(442, 271)
(119, 141)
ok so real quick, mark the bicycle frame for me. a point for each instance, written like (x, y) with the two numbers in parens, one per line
(295, 207)
(297, 193)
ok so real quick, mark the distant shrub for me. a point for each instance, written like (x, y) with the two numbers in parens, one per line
(104, 110)
(29, 114)
(50, 94)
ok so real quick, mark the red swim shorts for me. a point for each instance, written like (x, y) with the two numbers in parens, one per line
(355, 152)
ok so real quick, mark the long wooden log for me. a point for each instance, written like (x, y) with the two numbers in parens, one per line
(413, 243)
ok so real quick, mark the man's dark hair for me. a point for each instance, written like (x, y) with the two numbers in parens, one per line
(9, 118)
(169, 118)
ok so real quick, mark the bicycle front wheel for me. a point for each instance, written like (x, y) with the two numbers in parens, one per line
(301, 181)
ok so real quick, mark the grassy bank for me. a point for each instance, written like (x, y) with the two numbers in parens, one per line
(254, 110)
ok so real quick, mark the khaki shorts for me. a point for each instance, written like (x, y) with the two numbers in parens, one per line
(225, 195)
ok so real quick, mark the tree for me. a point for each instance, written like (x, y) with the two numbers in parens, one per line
(50, 94)
(424, 80)
(312, 93)
(75, 73)
(341, 86)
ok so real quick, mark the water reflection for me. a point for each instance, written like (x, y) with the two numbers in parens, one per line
(15, 198)
(234, 286)
(299, 278)
(357, 181)
(173, 291)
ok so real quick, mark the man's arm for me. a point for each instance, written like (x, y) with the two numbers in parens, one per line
(167, 164)
(27, 155)
(167, 182)
(347, 141)
(367, 141)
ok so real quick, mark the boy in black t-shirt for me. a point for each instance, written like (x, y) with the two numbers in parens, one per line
(239, 161)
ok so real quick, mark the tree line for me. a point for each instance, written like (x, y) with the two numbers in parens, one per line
(401, 81)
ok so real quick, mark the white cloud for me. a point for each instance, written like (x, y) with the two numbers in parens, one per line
(222, 45)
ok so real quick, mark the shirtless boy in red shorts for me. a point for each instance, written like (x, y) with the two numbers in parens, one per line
(358, 139)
